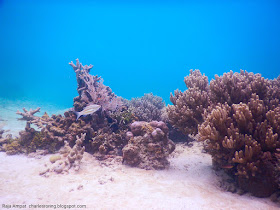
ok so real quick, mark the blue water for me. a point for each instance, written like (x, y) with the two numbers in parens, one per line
(140, 47)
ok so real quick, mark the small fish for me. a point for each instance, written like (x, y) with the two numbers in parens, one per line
(227, 166)
(90, 109)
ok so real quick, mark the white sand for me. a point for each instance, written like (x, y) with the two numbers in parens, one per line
(189, 183)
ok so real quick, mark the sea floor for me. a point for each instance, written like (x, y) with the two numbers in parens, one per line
(189, 182)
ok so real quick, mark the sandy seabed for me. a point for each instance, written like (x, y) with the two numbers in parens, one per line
(189, 183)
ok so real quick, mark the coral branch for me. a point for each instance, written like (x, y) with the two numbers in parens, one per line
(28, 115)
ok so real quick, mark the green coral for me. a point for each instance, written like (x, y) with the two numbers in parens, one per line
(12, 147)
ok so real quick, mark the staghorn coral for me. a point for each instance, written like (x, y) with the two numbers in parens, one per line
(148, 145)
(188, 106)
(147, 108)
(92, 90)
(28, 115)
(244, 140)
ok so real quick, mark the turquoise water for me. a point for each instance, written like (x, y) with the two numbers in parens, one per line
(140, 47)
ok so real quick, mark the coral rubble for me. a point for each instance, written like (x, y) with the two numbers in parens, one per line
(148, 145)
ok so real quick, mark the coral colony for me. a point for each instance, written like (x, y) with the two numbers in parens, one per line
(238, 118)
(236, 115)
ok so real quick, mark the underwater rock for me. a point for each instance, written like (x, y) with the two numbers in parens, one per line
(148, 146)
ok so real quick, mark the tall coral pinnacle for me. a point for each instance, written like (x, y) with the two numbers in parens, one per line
(92, 90)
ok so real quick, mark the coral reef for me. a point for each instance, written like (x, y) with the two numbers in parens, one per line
(148, 145)
(244, 139)
(10, 146)
(234, 88)
(92, 90)
(147, 108)
(70, 158)
(29, 141)
(109, 143)
(28, 115)
(237, 115)
(106, 128)
(188, 106)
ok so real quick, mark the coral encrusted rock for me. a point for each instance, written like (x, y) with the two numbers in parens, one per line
(70, 158)
(148, 145)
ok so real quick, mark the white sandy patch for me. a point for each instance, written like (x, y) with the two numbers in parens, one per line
(189, 183)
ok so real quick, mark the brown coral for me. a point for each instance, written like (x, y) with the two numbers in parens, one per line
(71, 158)
(148, 146)
(188, 107)
(234, 88)
(244, 136)
(92, 90)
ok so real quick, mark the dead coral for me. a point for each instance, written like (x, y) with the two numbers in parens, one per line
(148, 146)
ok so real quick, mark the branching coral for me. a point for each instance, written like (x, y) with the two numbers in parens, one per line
(148, 145)
(240, 120)
(147, 108)
(188, 106)
(244, 136)
(71, 158)
(92, 90)
(28, 115)
(237, 87)
(57, 129)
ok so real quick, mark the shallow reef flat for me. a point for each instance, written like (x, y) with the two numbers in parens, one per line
(107, 152)
(188, 183)
(9, 119)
